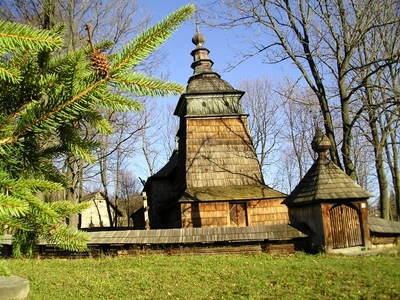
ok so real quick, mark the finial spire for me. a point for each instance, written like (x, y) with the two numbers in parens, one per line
(202, 64)
(198, 39)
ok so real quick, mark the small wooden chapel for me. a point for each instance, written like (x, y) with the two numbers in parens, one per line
(329, 206)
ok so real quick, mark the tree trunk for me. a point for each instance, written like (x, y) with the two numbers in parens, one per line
(103, 174)
(392, 156)
(71, 174)
(117, 183)
(384, 201)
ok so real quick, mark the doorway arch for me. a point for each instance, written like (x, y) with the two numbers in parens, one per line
(345, 226)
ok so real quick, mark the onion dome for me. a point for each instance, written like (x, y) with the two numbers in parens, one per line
(198, 39)
(321, 143)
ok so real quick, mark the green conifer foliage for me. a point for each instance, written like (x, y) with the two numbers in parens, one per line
(42, 105)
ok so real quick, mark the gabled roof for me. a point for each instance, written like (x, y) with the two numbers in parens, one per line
(168, 168)
(92, 195)
(325, 181)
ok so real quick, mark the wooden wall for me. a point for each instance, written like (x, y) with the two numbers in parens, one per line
(159, 193)
(267, 212)
(213, 214)
(309, 220)
(382, 241)
(138, 219)
(205, 214)
(170, 218)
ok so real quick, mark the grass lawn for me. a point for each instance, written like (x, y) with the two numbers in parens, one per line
(213, 277)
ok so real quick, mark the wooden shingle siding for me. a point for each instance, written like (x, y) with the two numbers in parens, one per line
(212, 214)
(219, 153)
(213, 104)
(204, 214)
(267, 212)
(239, 192)
(216, 173)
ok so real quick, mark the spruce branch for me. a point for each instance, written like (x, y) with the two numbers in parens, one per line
(114, 102)
(33, 121)
(43, 104)
(141, 84)
(8, 73)
(12, 206)
(150, 40)
(14, 35)
(67, 238)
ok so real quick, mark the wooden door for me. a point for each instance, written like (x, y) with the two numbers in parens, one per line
(345, 227)
(237, 212)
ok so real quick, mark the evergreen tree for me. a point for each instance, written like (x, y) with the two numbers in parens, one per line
(43, 103)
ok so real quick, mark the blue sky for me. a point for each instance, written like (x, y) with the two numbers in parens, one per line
(179, 47)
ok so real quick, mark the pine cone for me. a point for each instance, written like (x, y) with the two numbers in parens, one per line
(100, 62)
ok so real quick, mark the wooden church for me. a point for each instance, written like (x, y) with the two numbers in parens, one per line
(213, 178)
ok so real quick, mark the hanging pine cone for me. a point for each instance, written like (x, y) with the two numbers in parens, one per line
(99, 60)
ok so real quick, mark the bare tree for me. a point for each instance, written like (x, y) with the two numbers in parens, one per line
(143, 136)
(378, 91)
(156, 137)
(169, 128)
(282, 121)
(301, 118)
(328, 42)
(265, 120)
(129, 195)
(287, 37)
(114, 21)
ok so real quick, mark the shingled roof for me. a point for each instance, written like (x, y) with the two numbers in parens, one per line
(204, 79)
(379, 225)
(221, 193)
(196, 235)
(169, 166)
(209, 84)
(325, 181)
(278, 232)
